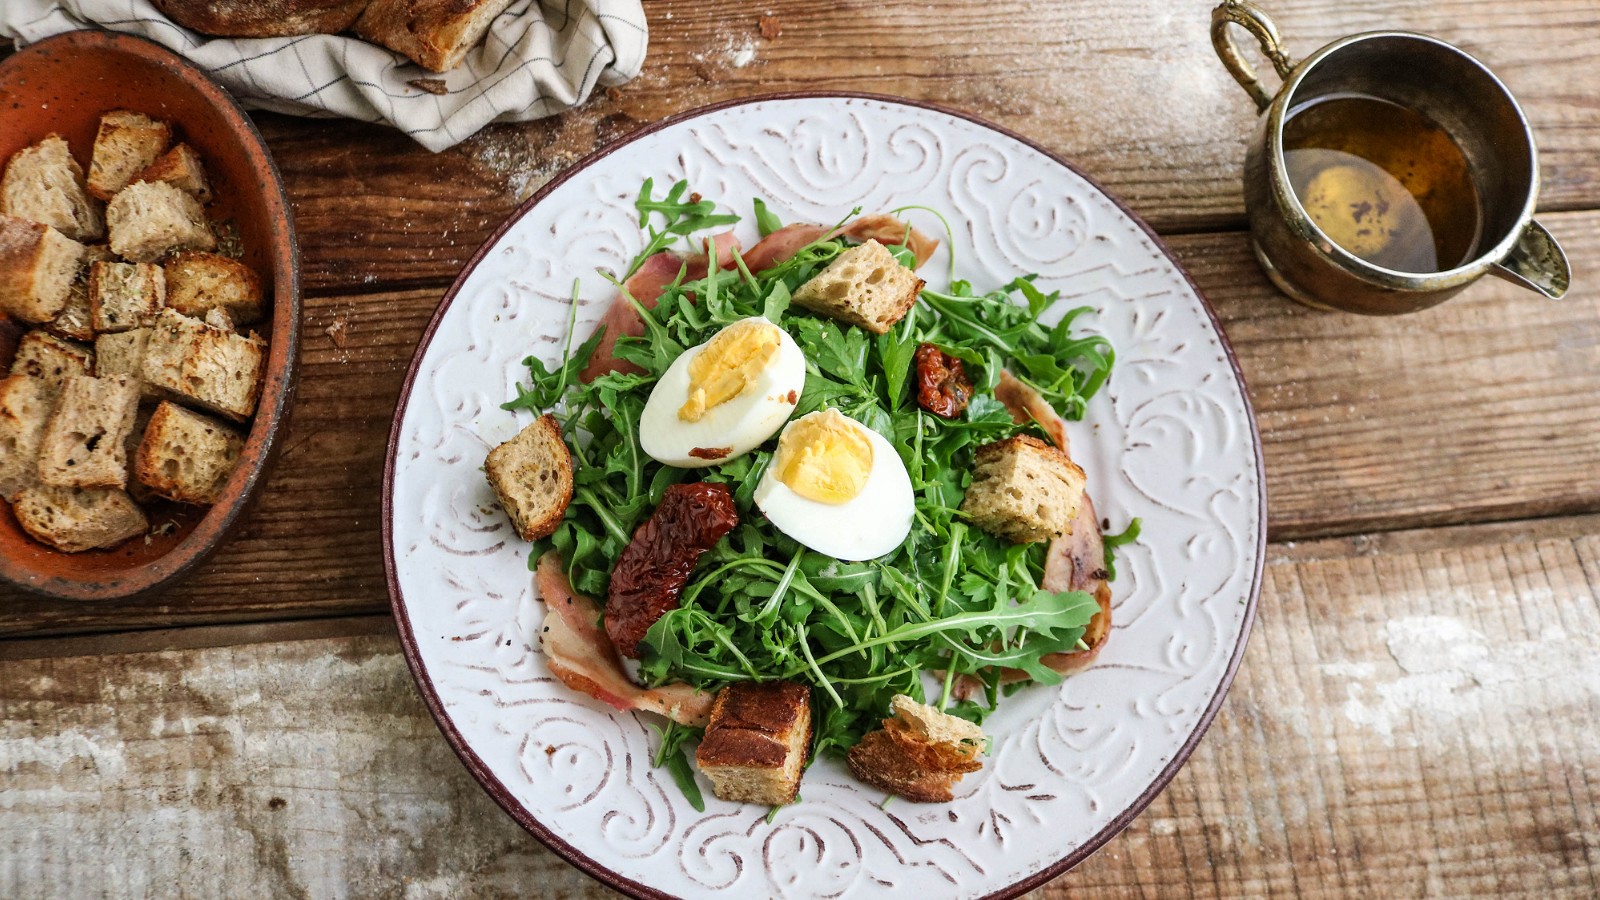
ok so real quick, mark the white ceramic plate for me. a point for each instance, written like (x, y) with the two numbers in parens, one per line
(1171, 440)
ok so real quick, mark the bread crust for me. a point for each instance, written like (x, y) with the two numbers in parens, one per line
(435, 34)
(549, 454)
(919, 754)
(756, 745)
(263, 18)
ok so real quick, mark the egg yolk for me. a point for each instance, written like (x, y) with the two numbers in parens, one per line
(728, 366)
(824, 457)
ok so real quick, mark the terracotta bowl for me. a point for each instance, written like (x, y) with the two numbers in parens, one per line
(63, 85)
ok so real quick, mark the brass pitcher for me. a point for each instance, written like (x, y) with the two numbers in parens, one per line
(1443, 84)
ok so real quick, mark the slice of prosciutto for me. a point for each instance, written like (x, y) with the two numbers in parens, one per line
(784, 243)
(1075, 562)
(660, 270)
(584, 659)
(646, 286)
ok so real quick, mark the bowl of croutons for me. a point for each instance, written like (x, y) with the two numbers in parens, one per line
(149, 313)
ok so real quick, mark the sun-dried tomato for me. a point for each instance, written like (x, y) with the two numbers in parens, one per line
(942, 384)
(651, 572)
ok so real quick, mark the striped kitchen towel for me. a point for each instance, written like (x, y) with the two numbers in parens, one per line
(538, 59)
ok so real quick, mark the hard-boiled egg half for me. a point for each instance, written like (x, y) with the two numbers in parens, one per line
(837, 487)
(723, 398)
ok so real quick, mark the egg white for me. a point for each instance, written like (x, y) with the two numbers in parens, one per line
(867, 526)
(740, 425)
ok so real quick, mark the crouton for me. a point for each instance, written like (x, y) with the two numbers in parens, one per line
(864, 286)
(75, 321)
(127, 144)
(149, 219)
(78, 519)
(532, 476)
(755, 747)
(181, 168)
(25, 407)
(122, 353)
(49, 358)
(44, 184)
(185, 456)
(207, 366)
(1024, 490)
(919, 754)
(200, 282)
(125, 295)
(37, 266)
(85, 443)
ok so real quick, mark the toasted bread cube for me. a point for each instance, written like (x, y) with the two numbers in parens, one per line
(208, 366)
(44, 184)
(532, 476)
(25, 407)
(919, 754)
(78, 519)
(49, 358)
(200, 282)
(181, 168)
(37, 266)
(122, 353)
(148, 220)
(1024, 490)
(75, 322)
(755, 747)
(127, 144)
(125, 295)
(185, 456)
(85, 443)
(864, 286)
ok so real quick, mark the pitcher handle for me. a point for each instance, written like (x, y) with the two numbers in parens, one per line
(1251, 18)
(1537, 263)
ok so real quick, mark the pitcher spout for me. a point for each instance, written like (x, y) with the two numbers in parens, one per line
(1537, 263)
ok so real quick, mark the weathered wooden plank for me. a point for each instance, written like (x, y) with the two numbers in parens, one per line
(1480, 409)
(1417, 714)
(1135, 96)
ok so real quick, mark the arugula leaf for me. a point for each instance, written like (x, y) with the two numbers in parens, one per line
(766, 222)
(1112, 541)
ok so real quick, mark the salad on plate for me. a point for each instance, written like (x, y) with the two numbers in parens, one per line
(799, 504)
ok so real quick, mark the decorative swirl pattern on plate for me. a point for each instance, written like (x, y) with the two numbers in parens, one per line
(1170, 441)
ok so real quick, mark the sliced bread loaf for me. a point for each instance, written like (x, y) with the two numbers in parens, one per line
(125, 295)
(207, 366)
(149, 219)
(532, 476)
(25, 406)
(85, 443)
(185, 456)
(435, 33)
(126, 144)
(863, 286)
(51, 360)
(37, 266)
(78, 519)
(44, 184)
(199, 282)
(181, 168)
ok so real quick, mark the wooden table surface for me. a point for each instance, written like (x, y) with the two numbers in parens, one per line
(1418, 712)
